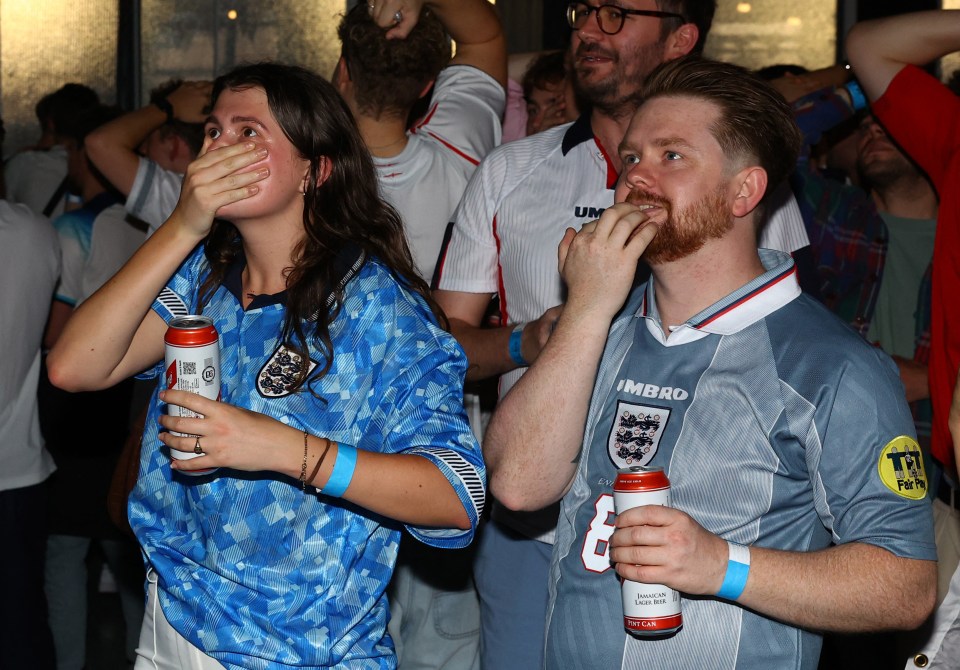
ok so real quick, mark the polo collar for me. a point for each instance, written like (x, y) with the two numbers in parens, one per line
(578, 133)
(581, 131)
(748, 304)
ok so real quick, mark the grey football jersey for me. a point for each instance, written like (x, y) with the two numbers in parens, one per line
(777, 426)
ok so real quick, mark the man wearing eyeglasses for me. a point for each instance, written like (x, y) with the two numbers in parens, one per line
(504, 241)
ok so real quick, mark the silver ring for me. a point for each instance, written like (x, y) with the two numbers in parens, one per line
(196, 447)
(370, 8)
(398, 17)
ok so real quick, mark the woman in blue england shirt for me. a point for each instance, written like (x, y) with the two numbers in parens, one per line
(341, 417)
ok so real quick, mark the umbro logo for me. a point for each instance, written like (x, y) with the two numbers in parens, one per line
(652, 390)
(585, 212)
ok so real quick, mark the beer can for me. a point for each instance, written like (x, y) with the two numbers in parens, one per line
(192, 363)
(649, 610)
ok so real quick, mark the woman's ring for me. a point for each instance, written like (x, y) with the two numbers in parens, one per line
(196, 447)
(398, 17)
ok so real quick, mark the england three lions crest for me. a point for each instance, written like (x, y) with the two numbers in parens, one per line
(635, 433)
(279, 374)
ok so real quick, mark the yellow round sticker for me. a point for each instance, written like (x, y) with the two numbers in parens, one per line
(901, 468)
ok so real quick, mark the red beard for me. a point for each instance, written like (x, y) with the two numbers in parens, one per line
(686, 231)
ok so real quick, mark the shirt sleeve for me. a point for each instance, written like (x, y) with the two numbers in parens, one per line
(469, 261)
(178, 297)
(421, 412)
(868, 478)
(923, 115)
(154, 194)
(464, 113)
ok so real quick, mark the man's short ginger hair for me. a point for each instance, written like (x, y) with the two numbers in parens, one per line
(388, 76)
(756, 124)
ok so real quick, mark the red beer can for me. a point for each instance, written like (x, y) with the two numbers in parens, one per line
(648, 609)
(192, 363)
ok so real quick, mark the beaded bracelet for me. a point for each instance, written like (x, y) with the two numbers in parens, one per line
(303, 468)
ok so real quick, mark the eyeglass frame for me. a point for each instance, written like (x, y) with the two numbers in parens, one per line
(595, 9)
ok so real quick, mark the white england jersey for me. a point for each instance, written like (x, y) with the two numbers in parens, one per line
(519, 204)
(424, 182)
(778, 427)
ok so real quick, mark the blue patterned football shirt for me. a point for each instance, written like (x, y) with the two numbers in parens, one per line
(252, 570)
(778, 427)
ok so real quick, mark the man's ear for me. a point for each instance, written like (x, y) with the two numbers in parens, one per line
(751, 185)
(681, 41)
(341, 74)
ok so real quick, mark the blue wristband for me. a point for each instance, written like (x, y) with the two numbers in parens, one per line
(342, 473)
(516, 339)
(738, 569)
(857, 98)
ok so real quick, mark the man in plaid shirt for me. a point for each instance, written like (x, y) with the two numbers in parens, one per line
(862, 237)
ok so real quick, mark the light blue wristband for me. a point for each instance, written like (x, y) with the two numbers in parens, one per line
(342, 473)
(516, 340)
(738, 569)
(857, 98)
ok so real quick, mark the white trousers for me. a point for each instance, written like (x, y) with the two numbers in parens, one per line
(162, 647)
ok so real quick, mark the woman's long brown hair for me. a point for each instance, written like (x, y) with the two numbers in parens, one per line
(345, 209)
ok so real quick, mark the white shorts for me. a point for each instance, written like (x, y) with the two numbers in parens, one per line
(163, 648)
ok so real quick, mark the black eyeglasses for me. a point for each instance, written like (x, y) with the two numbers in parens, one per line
(610, 18)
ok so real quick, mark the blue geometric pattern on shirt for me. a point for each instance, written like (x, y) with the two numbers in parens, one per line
(252, 570)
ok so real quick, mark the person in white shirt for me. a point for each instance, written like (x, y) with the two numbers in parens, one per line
(393, 54)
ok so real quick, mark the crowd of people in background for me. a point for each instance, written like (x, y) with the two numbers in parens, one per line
(661, 260)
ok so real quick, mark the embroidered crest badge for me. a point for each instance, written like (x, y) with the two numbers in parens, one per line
(635, 433)
(279, 373)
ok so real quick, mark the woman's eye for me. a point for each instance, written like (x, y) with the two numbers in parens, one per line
(249, 132)
(213, 133)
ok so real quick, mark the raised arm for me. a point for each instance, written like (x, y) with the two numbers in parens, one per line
(473, 25)
(532, 461)
(880, 48)
(113, 146)
(114, 334)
